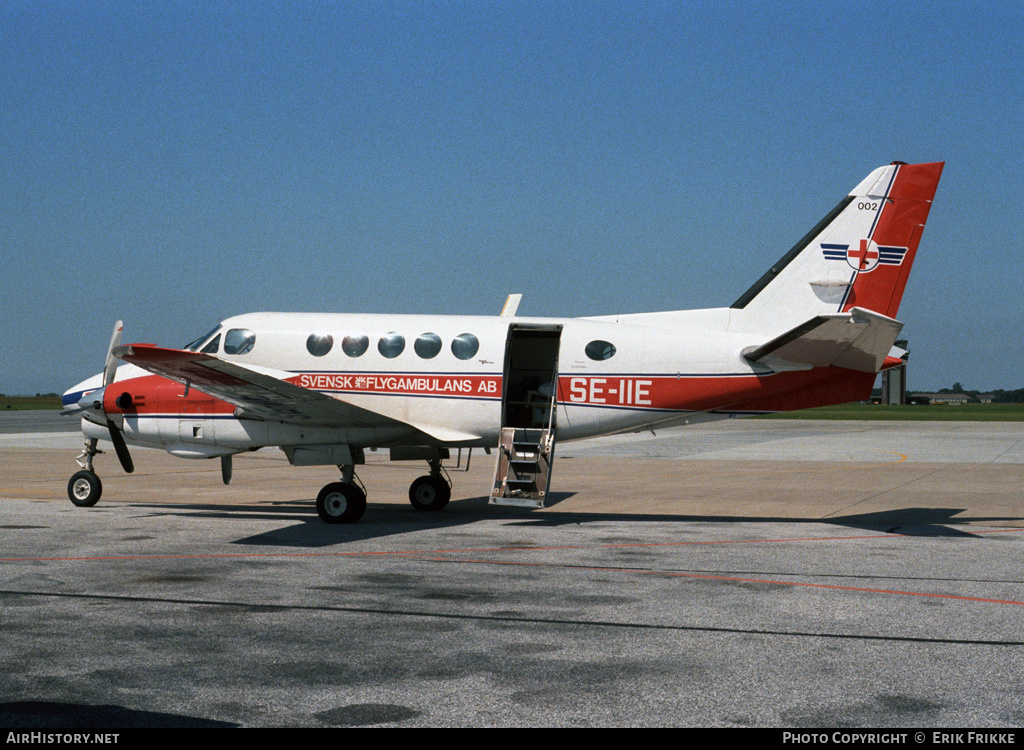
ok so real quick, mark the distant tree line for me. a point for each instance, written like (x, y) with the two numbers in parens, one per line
(999, 395)
(1008, 397)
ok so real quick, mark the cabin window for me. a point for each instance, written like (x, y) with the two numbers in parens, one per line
(465, 346)
(194, 346)
(391, 344)
(600, 350)
(355, 346)
(318, 344)
(212, 347)
(239, 341)
(428, 345)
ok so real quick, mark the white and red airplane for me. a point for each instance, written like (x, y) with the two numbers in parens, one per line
(814, 330)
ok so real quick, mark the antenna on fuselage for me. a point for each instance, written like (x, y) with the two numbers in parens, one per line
(511, 305)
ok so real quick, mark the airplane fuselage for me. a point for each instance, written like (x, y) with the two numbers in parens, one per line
(612, 377)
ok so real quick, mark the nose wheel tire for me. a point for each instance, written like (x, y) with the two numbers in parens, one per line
(84, 489)
(430, 493)
(339, 502)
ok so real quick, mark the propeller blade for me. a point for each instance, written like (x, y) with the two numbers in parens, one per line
(110, 367)
(121, 447)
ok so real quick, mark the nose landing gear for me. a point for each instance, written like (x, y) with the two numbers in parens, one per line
(85, 487)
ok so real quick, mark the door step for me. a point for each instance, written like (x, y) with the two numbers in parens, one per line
(524, 467)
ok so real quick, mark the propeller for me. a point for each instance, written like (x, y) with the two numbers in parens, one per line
(120, 447)
(109, 370)
(94, 401)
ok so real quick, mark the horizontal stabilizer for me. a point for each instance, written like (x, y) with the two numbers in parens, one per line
(858, 340)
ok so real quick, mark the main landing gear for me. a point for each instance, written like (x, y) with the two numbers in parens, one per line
(341, 503)
(433, 491)
(345, 501)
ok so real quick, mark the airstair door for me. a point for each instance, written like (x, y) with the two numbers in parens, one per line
(528, 416)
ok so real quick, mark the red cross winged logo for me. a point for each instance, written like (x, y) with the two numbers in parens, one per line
(864, 256)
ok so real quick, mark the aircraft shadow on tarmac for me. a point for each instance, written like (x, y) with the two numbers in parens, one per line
(903, 522)
(390, 520)
(56, 715)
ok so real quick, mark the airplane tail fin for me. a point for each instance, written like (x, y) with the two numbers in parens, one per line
(858, 256)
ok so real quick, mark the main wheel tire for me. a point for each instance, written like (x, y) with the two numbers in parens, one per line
(84, 489)
(430, 493)
(339, 502)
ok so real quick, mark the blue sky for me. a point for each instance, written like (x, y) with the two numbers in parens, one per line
(175, 164)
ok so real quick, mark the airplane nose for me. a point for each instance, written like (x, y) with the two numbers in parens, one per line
(90, 406)
(70, 398)
(76, 402)
(92, 400)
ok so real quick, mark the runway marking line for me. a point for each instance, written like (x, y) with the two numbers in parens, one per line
(738, 579)
(534, 548)
(437, 556)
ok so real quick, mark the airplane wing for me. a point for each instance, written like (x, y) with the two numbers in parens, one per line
(262, 393)
(858, 340)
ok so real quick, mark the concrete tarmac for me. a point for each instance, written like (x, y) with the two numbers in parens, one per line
(744, 573)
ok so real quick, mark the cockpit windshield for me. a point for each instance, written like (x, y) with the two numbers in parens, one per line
(194, 345)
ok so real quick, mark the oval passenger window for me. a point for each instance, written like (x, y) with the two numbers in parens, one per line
(318, 344)
(391, 344)
(355, 346)
(600, 350)
(428, 345)
(465, 345)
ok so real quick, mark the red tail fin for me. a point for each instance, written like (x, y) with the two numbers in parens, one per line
(888, 251)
